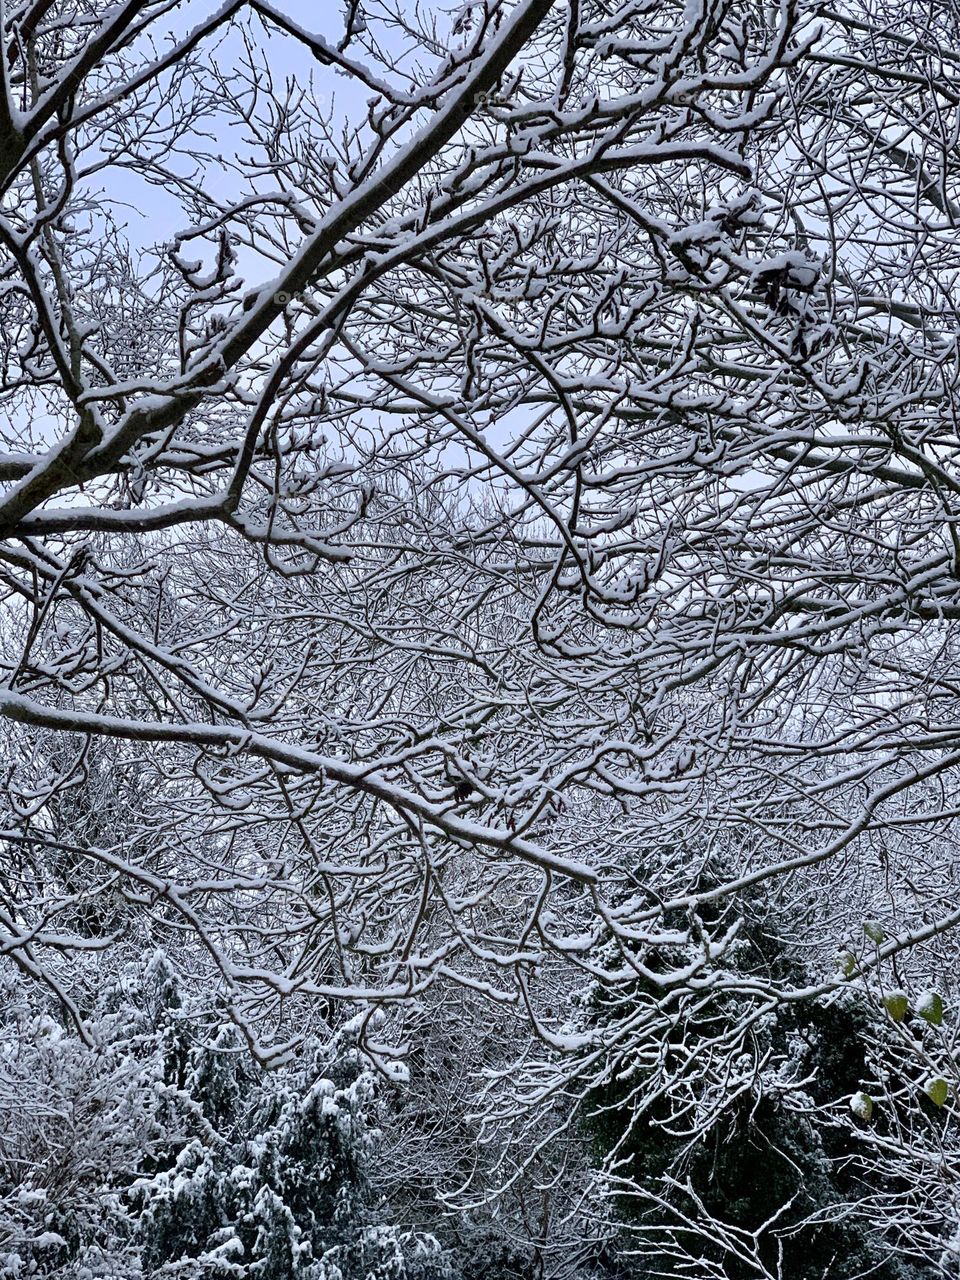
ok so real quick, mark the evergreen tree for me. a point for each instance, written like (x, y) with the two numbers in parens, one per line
(277, 1188)
(761, 1185)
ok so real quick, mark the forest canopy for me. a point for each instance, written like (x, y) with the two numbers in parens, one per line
(479, 639)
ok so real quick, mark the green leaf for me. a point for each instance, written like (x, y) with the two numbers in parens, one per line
(847, 963)
(861, 1104)
(930, 1008)
(937, 1090)
(874, 931)
(896, 1004)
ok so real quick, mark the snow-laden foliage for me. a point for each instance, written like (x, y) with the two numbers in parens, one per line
(166, 1150)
